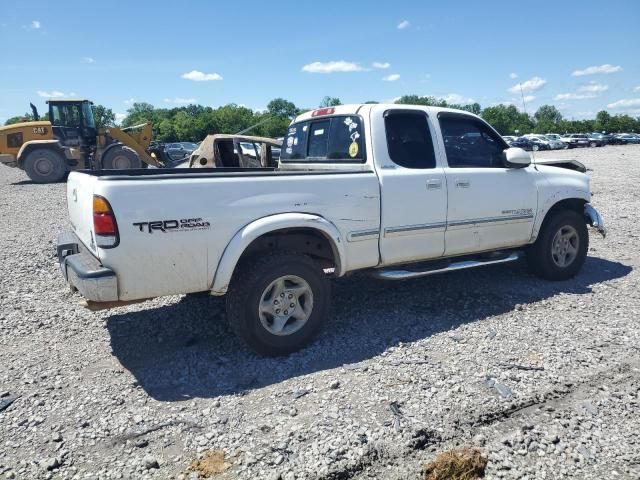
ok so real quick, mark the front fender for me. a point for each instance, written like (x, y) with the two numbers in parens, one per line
(246, 235)
(546, 204)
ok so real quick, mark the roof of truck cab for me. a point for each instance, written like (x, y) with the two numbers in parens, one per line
(353, 109)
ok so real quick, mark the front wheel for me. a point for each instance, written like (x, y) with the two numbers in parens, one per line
(561, 247)
(535, 148)
(593, 144)
(277, 304)
(121, 158)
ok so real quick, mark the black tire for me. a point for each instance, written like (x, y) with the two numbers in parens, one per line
(248, 287)
(541, 257)
(121, 158)
(535, 148)
(593, 144)
(45, 165)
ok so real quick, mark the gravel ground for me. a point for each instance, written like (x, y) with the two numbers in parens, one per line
(543, 377)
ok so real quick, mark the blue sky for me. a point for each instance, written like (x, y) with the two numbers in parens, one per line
(580, 56)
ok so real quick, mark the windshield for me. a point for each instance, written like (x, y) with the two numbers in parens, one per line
(325, 139)
(87, 112)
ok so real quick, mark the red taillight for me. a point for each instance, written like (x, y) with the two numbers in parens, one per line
(323, 111)
(104, 223)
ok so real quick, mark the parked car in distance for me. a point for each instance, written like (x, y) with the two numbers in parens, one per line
(525, 144)
(576, 140)
(552, 144)
(557, 138)
(540, 143)
(626, 138)
(597, 140)
(509, 138)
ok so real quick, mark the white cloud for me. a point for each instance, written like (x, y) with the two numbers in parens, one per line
(198, 76)
(594, 87)
(456, 98)
(403, 24)
(332, 67)
(180, 100)
(52, 94)
(530, 85)
(637, 89)
(120, 117)
(89, 59)
(573, 96)
(129, 101)
(391, 78)
(35, 24)
(513, 75)
(625, 103)
(381, 65)
(529, 98)
(606, 68)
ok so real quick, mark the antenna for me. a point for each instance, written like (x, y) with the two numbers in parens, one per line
(524, 109)
(524, 106)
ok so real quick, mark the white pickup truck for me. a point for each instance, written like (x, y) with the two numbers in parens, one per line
(395, 191)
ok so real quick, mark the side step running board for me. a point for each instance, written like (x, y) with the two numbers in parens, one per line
(463, 265)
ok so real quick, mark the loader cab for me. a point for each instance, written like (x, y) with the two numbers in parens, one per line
(72, 122)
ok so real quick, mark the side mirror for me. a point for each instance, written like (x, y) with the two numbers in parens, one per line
(516, 158)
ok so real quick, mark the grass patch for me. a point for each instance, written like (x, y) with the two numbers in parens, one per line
(456, 464)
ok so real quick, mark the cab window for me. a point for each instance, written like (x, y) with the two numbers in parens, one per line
(409, 139)
(469, 143)
(336, 139)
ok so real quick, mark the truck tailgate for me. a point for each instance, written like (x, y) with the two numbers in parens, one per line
(80, 205)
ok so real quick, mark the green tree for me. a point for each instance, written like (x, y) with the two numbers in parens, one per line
(27, 117)
(603, 120)
(282, 108)
(330, 102)
(506, 119)
(548, 113)
(103, 116)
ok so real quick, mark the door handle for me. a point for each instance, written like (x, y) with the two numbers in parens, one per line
(462, 183)
(434, 184)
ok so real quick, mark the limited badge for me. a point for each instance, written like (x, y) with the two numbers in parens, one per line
(353, 150)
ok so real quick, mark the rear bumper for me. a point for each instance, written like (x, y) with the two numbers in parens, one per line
(83, 272)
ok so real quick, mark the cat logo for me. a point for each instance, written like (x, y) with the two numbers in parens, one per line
(39, 130)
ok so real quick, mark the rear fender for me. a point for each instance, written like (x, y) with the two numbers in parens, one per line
(245, 236)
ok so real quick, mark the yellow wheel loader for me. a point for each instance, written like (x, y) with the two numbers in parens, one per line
(47, 150)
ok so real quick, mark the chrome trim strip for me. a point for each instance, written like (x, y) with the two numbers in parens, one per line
(410, 228)
(458, 223)
(363, 235)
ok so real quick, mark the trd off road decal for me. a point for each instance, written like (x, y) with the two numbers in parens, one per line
(167, 226)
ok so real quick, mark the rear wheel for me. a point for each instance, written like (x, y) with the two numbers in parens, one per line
(121, 158)
(44, 165)
(278, 303)
(535, 148)
(561, 248)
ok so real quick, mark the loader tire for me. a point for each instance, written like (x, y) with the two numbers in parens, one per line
(121, 158)
(44, 165)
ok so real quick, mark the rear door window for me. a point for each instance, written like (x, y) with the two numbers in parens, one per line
(318, 139)
(337, 139)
